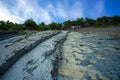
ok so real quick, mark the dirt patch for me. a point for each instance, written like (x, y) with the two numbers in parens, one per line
(99, 30)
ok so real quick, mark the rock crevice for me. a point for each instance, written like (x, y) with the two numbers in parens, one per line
(58, 56)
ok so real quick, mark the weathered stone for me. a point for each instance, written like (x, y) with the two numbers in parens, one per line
(80, 57)
(17, 48)
(38, 63)
(90, 57)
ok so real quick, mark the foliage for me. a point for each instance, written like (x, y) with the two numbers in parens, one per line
(80, 22)
(115, 20)
(9, 26)
(43, 27)
(67, 24)
(55, 26)
(100, 21)
(30, 24)
(89, 22)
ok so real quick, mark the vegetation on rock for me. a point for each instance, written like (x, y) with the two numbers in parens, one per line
(30, 24)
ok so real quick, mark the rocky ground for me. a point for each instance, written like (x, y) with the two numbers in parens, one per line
(7, 34)
(68, 56)
(90, 57)
(12, 49)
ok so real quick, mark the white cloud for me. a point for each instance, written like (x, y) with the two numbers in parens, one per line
(61, 11)
(24, 9)
(18, 19)
(70, 12)
(5, 14)
(52, 9)
(31, 9)
(20, 10)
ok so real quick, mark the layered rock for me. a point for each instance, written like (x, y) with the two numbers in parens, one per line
(90, 57)
(38, 64)
(12, 49)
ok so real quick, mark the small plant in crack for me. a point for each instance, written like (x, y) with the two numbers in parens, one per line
(81, 44)
(17, 40)
(99, 42)
(6, 45)
(15, 50)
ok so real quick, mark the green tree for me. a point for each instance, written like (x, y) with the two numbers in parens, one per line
(80, 22)
(103, 21)
(89, 22)
(47, 27)
(55, 26)
(30, 24)
(43, 27)
(115, 20)
(2, 25)
(59, 26)
(67, 24)
(10, 26)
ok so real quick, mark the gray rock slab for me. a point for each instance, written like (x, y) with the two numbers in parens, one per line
(34, 65)
(13, 48)
(90, 57)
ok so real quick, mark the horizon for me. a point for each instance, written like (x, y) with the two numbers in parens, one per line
(56, 11)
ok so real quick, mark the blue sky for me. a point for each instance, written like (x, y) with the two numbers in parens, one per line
(56, 10)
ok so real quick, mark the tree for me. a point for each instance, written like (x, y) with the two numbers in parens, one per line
(59, 26)
(115, 20)
(43, 27)
(89, 22)
(80, 22)
(67, 24)
(55, 26)
(2, 25)
(103, 21)
(30, 24)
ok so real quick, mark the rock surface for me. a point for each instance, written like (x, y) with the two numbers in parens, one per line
(90, 57)
(7, 34)
(36, 64)
(82, 56)
(12, 49)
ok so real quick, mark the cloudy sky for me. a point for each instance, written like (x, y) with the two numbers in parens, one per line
(56, 10)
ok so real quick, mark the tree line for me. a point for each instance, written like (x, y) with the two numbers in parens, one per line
(30, 24)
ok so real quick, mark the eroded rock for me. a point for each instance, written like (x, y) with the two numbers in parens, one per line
(38, 63)
(90, 57)
(12, 49)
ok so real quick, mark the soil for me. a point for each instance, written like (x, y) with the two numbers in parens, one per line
(112, 30)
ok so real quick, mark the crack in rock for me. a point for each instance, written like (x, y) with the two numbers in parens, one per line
(58, 57)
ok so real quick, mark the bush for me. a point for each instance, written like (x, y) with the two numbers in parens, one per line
(30, 24)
